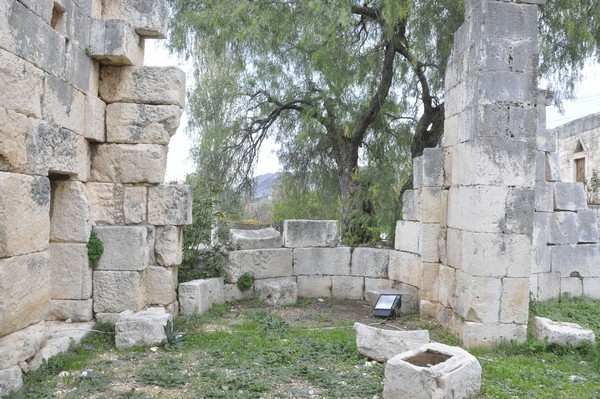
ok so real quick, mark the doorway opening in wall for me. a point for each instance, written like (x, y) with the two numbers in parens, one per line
(580, 170)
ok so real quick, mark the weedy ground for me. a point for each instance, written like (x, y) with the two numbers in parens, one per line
(248, 350)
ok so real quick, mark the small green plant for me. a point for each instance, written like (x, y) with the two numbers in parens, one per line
(245, 281)
(95, 249)
(592, 188)
(174, 337)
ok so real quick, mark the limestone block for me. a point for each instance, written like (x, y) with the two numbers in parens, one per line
(430, 282)
(542, 259)
(561, 333)
(160, 283)
(324, 261)
(41, 8)
(61, 336)
(24, 214)
(569, 197)
(405, 267)
(540, 166)
(310, 233)
(444, 209)
(552, 172)
(488, 335)
(432, 371)
(145, 328)
(79, 68)
(125, 247)
(21, 345)
(376, 285)
(372, 295)
(140, 123)
(24, 291)
(278, 293)
(102, 202)
(314, 286)
(143, 85)
(232, 293)
(215, 289)
(17, 143)
(71, 215)
(433, 171)
(540, 228)
(115, 42)
(194, 297)
(519, 210)
(129, 163)
(95, 116)
(23, 85)
(110, 318)
(381, 345)
(116, 291)
(563, 228)
(408, 236)
(63, 105)
(170, 205)
(63, 152)
(148, 17)
(485, 212)
(591, 287)
(417, 172)
(260, 263)
(548, 286)
(71, 275)
(370, 262)
(11, 379)
(429, 237)
(347, 287)
(135, 204)
(587, 222)
(410, 298)
(514, 303)
(411, 205)
(431, 204)
(571, 286)
(496, 255)
(446, 285)
(483, 306)
(168, 245)
(255, 239)
(74, 310)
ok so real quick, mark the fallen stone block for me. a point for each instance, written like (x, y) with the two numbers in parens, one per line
(561, 333)
(278, 292)
(145, 328)
(381, 345)
(11, 379)
(195, 296)
(432, 371)
(21, 345)
(254, 239)
(310, 233)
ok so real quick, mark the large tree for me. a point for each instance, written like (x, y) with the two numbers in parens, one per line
(328, 77)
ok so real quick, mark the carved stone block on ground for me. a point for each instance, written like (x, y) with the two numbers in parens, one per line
(194, 297)
(170, 205)
(140, 123)
(561, 333)
(117, 291)
(129, 163)
(255, 239)
(381, 345)
(125, 247)
(278, 292)
(145, 328)
(432, 371)
(324, 261)
(370, 262)
(260, 263)
(310, 233)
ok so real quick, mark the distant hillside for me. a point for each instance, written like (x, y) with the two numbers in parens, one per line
(264, 185)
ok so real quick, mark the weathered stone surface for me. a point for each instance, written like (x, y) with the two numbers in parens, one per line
(194, 297)
(94, 119)
(410, 298)
(135, 204)
(310, 233)
(170, 205)
(382, 345)
(520, 203)
(580, 259)
(148, 17)
(477, 298)
(24, 291)
(411, 205)
(548, 286)
(63, 105)
(74, 310)
(430, 281)
(22, 83)
(115, 42)
(324, 261)
(255, 239)
(376, 285)
(417, 172)
(405, 267)
(160, 283)
(433, 171)
(145, 328)
(231, 293)
(372, 295)
(168, 245)
(145, 85)
(71, 215)
(432, 371)
(591, 287)
(544, 197)
(571, 286)
(587, 222)
(431, 204)
(490, 334)
(23, 198)
(215, 289)
(314, 286)
(110, 318)
(141, 123)
(552, 169)
(11, 379)
(408, 236)
(563, 228)
(17, 141)
(514, 303)
(125, 247)
(561, 333)
(278, 292)
(486, 213)
(103, 202)
(129, 163)
(569, 197)
(21, 345)
(117, 291)
(61, 151)
(61, 336)
(347, 287)
(370, 262)
(260, 263)
(446, 285)
(71, 275)
(429, 236)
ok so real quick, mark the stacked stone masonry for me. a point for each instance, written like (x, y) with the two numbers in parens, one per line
(84, 129)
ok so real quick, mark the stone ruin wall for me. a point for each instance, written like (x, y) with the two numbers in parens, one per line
(586, 131)
(84, 128)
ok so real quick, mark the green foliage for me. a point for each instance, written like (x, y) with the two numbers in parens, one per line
(95, 249)
(166, 373)
(592, 188)
(245, 281)
(174, 337)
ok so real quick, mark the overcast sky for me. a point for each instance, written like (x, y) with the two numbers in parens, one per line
(179, 162)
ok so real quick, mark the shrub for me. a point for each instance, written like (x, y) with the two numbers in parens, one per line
(245, 281)
(95, 249)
